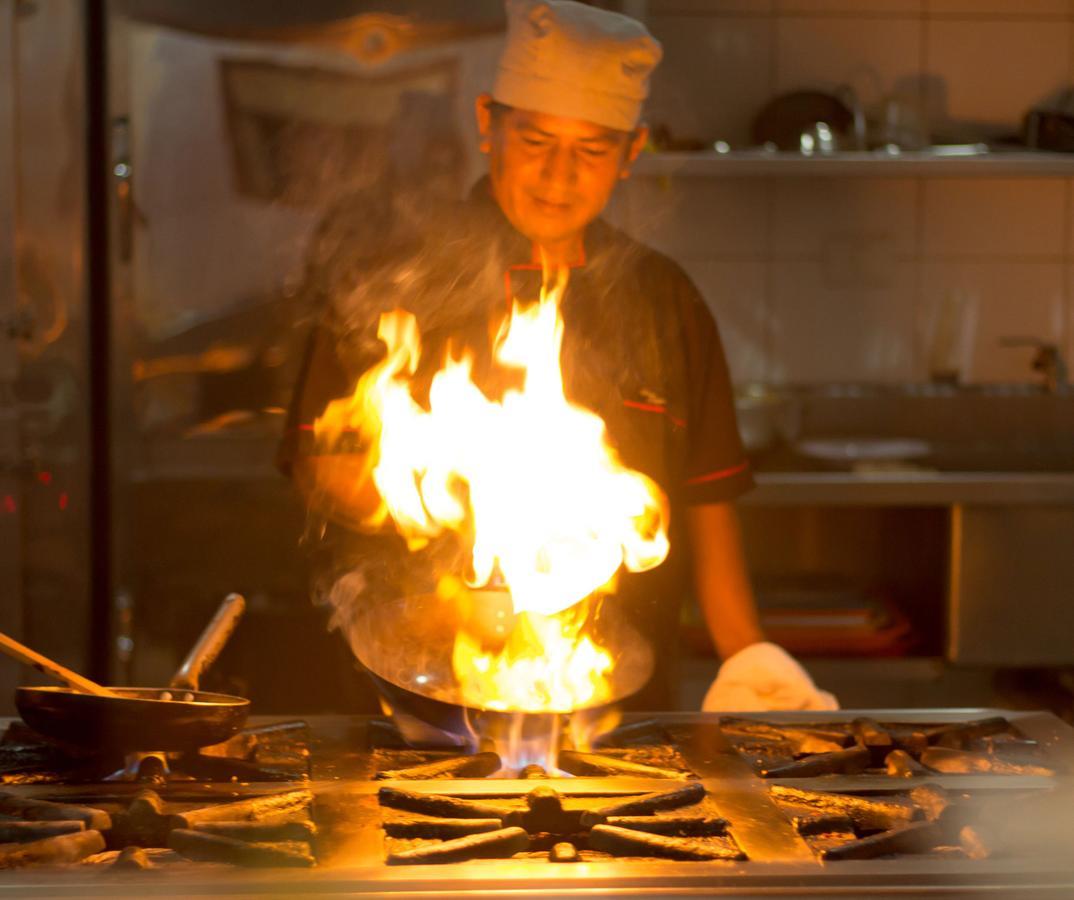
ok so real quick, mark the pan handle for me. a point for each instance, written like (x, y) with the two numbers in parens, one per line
(210, 643)
(43, 664)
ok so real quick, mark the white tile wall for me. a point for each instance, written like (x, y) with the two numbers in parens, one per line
(715, 75)
(700, 218)
(826, 331)
(813, 215)
(850, 7)
(995, 216)
(816, 279)
(1068, 240)
(993, 71)
(737, 295)
(824, 52)
(1005, 300)
(706, 7)
(1068, 323)
(1016, 8)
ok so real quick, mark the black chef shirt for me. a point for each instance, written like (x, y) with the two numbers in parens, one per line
(640, 348)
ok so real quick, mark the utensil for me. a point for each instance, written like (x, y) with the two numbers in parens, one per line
(818, 139)
(407, 646)
(49, 667)
(846, 450)
(209, 643)
(766, 416)
(783, 119)
(175, 717)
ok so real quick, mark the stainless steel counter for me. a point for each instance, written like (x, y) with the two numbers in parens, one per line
(912, 488)
(356, 866)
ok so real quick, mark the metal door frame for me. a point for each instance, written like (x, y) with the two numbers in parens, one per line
(11, 597)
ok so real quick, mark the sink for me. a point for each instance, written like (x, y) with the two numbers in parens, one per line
(1044, 456)
(993, 429)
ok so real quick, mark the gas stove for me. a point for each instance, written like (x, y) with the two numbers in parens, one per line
(664, 805)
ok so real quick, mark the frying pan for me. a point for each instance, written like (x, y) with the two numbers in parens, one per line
(407, 644)
(137, 719)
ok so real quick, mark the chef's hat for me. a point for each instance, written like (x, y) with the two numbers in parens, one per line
(569, 59)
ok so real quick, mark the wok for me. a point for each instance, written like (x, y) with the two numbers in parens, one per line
(407, 644)
(172, 718)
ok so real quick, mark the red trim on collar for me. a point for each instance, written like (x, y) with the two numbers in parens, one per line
(655, 408)
(720, 473)
(534, 265)
(507, 292)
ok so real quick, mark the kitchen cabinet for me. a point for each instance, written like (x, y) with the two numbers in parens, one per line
(984, 518)
(985, 577)
(1011, 585)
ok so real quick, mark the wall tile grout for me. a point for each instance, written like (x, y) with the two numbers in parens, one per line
(773, 54)
(871, 16)
(919, 355)
(920, 187)
(902, 258)
(997, 17)
(769, 338)
(1067, 322)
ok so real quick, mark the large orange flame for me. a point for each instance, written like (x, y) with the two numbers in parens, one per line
(530, 482)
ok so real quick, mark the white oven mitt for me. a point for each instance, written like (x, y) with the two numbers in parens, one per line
(764, 676)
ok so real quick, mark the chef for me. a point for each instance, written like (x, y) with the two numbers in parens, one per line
(561, 128)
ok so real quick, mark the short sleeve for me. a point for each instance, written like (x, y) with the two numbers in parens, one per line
(716, 468)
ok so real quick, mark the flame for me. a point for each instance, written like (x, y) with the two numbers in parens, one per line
(546, 663)
(531, 484)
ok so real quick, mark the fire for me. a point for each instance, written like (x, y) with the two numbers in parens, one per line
(530, 483)
(541, 663)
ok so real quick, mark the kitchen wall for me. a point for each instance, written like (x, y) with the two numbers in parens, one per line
(812, 279)
(818, 279)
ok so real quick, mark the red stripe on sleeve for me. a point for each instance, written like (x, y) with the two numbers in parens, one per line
(720, 473)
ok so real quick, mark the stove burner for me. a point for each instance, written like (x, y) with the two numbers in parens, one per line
(706, 818)
(278, 752)
(863, 745)
(638, 750)
(143, 767)
(272, 830)
(455, 830)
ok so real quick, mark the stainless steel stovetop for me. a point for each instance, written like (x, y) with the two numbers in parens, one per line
(745, 783)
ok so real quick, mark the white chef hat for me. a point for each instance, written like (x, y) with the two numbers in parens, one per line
(569, 59)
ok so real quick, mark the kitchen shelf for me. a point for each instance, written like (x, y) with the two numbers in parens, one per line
(871, 164)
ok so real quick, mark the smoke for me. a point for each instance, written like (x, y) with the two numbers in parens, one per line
(1038, 825)
(402, 245)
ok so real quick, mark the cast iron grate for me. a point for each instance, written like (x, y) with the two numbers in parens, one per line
(272, 753)
(270, 830)
(677, 823)
(865, 746)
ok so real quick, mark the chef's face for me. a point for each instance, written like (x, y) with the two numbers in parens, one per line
(552, 175)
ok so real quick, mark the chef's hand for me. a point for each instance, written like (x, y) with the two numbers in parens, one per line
(764, 676)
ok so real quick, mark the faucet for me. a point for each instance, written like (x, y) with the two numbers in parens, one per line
(1047, 360)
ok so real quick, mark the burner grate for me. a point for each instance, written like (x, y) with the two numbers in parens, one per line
(864, 746)
(272, 753)
(677, 823)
